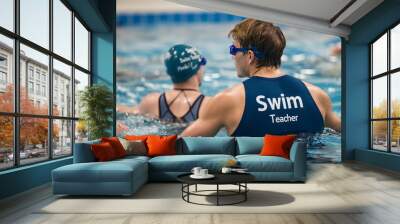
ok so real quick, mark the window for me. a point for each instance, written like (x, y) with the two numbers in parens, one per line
(3, 61)
(54, 125)
(30, 87)
(34, 21)
(62, 140)
(6, 72)
(33, 149)
(44, 91)
(81, 45)
(385, 97)
(3, 72)
(81, 81)
(6, 142)
(3, 78)
(30, 72)
(37, 74)
(395, 47)
(62, 31)
(7, 14)
(62, 74)
(38, 89)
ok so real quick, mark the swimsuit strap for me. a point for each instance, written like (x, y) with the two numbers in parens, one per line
(187, 101)
(186, 89)
(169, 104)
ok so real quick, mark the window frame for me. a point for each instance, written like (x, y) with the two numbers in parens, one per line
(388, 74)
(16, 114)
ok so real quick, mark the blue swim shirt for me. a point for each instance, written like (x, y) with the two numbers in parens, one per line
(278, 106)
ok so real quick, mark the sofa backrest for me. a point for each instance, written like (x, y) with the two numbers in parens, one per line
(249, 145)
(83, 152)
(206, 145)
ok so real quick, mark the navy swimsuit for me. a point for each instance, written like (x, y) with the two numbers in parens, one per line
(191, 115)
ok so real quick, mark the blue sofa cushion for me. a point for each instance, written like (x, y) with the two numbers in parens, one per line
(257, 163)
(207, 145)
(133, 158)
(132, 161)
(185, 163)
(111, 171)
(83, 152)
(249, 145)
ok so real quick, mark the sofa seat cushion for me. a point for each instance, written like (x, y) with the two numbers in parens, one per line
(112, 171)
(257, 163)
(133, 158)
(185, 163)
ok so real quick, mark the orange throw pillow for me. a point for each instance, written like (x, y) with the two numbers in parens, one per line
(116, 145)
(103, 152)
(161, 145)
(277, 145)
(136, 137)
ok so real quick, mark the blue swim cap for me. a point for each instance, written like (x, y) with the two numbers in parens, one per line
(182, 62)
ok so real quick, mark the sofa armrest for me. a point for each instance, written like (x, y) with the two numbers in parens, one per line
(299, 158)
(83, 152)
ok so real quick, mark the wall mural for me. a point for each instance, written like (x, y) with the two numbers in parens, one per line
(149, 101)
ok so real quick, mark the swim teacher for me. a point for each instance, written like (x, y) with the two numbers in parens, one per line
(268, 102)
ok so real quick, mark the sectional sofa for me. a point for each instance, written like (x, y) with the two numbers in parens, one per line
(125, 176)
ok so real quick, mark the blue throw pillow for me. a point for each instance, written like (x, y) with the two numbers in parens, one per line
(207, 145)
(249, 145)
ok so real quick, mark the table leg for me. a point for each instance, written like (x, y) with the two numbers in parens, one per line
(182, 189)
(196, 188)
(188, 189)
(245, 193)
(217, 194)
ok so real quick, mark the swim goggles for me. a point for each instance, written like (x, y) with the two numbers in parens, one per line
(203, 61)
(233, 50)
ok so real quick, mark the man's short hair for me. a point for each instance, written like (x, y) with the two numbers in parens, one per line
(263, 36)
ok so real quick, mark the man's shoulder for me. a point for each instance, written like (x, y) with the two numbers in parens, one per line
(315, 89)
(230, 94)
(318, 94)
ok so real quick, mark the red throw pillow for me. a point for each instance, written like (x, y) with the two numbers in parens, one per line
(103, 151)
(161, 145)
(116, 145)
(277, 145)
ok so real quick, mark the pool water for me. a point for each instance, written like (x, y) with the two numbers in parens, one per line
(140, 70)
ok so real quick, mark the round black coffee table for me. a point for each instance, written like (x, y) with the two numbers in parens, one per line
(238, 179)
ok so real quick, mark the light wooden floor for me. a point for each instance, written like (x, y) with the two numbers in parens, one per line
(378, 188)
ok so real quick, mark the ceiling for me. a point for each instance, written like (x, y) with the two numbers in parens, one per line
(333, 17)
